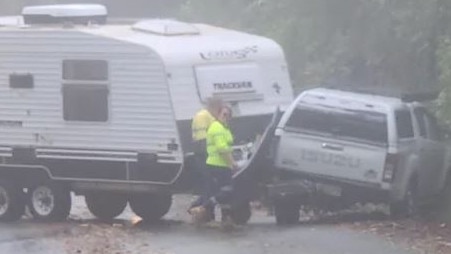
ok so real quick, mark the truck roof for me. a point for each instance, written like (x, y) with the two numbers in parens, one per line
(331, 97)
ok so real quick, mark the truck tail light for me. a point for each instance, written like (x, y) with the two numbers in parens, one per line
(391, 162)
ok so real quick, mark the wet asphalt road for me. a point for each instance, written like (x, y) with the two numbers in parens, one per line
(174, 235)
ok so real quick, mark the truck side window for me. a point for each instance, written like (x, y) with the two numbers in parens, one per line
(85, 90)
(404, 123)
(420, 118)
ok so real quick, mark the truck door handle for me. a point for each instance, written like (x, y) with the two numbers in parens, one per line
(332, 147)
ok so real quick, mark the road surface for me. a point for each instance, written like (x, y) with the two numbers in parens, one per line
(175, 234)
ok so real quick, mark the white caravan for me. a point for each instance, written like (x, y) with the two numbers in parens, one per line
(90, 106)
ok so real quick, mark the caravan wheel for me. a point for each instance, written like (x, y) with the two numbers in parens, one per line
(12, 201)
(50, 202)
(151, 207)
(106, 206)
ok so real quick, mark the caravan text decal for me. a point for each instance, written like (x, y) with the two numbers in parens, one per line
(229, 54)
(233, 85)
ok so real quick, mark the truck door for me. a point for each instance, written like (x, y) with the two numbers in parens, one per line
(431, 153)
(438, 151)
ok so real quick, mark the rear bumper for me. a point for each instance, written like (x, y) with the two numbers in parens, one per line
(353, 191)
(275, 190)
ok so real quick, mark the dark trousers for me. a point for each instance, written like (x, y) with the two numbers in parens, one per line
(217, 179)
(201, 169)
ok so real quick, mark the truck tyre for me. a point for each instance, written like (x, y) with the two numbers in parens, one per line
(151, 206)
(49, 202)
(241, 213)
(106, 206)
(12, 201)
(408, 207)
(287, 211)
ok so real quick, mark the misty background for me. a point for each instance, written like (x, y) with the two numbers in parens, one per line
(389, 43)
(395, 44)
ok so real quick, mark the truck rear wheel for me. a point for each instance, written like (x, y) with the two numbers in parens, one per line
(50, 202)
(12, 202)
(287, 210)
(106, 206)
(408, 207)
(151, 206)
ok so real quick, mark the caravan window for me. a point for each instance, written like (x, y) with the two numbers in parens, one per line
(85, 90)
(21, 81)
(94, 70)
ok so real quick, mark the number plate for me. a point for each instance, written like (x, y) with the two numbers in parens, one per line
(328, 189)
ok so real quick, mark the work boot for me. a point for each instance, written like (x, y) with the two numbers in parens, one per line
(198, 214)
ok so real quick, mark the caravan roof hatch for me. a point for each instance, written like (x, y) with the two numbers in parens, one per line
(166, 27)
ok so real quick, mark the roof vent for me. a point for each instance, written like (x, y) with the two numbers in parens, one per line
(166, 27)
(65, 13)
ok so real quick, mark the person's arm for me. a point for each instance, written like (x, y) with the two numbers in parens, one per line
(228, 157)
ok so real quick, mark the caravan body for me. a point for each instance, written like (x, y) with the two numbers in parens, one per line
(113, 102)
(104, 110)
(247, 71)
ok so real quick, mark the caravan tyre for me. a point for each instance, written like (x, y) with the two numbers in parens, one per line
(106, 206)
(49, 202)
(12, 202)
(151, 206)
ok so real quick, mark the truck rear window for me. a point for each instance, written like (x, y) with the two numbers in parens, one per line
(341, 123)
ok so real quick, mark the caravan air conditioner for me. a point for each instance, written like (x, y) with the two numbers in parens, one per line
(71, 13)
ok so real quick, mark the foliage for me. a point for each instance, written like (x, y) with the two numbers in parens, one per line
(362, 42)
(402, 44)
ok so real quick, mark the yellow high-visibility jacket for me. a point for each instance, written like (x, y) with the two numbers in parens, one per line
(199, 126)
(219, 140)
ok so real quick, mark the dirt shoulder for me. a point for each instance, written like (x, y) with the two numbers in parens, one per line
(419, 235)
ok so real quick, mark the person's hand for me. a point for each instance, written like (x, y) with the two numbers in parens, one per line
(235, 168)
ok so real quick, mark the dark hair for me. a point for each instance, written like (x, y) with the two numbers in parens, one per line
(214, 105)
(214, 102)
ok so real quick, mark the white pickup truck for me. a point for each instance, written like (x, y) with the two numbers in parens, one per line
(358, 147)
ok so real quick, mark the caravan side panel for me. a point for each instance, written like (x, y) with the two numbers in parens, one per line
(140, 118)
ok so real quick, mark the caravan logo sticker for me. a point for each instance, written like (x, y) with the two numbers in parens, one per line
(233, 85)
(229, 54)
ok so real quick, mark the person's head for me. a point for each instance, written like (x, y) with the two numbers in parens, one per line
(214, 105)
(225, 114)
